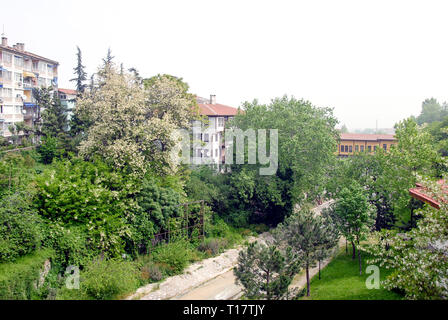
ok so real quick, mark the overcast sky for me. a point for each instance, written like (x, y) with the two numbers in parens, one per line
(369, 60)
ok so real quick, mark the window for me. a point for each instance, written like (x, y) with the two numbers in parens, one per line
(7, 75)
(362, 148)
(18, 61)
(216, 137)
(369, 148)
(385, 147)
(221, 122)
(7, 58)
(49, 68)
(18, 109)
(374, 148)
(350, 149)
(206, 137)
(35, 65)
(7, 93)
(206, 153)
(356, 148)
(1, 109)
(42, 67)
(346, 148)
(41, 82)
(18, 77)
(216, 153)
(8, 109)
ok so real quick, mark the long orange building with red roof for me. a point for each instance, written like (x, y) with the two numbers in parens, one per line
(351, 143)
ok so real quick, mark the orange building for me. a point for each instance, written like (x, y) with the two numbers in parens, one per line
(351, 143)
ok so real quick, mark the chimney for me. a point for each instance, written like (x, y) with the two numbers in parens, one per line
(20, 46)
(4, 41)
(212, 99)
(14, 46)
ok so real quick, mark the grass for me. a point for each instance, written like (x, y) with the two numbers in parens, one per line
(341, 281)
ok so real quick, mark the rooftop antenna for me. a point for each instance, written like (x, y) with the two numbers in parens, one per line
(3, 33)
(376, 130)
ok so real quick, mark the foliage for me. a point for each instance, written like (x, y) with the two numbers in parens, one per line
(265, 271)
(49, 150)
(20, 227)
(355, 216)
(307, 140)
(175, 256)
(432, 111)
(80, 73)
(16, 171)
(70, 244)
(168, 97)
(123, 130)
(108, 279)
(19, 280)
(422, 249)
(307, 234)
(91, 195)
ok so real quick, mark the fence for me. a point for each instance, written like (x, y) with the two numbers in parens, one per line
(192, 226)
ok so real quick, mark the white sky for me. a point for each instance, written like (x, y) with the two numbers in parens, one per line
(370, 60)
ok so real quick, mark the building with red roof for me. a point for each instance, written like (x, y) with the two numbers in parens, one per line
(213, 149)
(351, 143)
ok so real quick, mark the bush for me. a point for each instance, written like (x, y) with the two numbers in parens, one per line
(108, 279)
(175, 256)
(19, 279)
(151, 272)
(69, 243)
(213, 246)
(20, 227)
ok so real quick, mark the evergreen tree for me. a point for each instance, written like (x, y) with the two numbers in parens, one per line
(265, 271)
(305, 233)
(80, 73)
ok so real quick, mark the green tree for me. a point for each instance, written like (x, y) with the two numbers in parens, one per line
(266, 272)
(306, 234)
(355, 216)
(80, 73)
(431, 111)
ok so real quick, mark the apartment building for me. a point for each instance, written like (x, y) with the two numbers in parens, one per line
(20, 72)
(68, 100)
(212, 148)
(351, 143)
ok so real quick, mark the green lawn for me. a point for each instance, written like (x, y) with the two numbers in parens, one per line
(341, 281)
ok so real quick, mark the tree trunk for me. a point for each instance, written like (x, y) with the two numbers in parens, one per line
(307, 280)
(319, 269)
(354, 250)
(359, 260)
(346, 246)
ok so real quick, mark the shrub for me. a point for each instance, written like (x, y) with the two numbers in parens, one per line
(19, 279)
(213, 246)
(175, 255)
(107, 279)
(69, 243)
(152, 272)
(20, 227)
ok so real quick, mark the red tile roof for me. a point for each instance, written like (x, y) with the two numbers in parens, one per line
(367, 137)
(68, 91)
(421, 193)
(216, 110)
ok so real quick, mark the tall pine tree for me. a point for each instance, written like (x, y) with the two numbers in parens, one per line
(80, 73)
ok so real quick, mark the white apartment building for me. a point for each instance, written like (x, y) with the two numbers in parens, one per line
(20, 72)
(212, 150)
